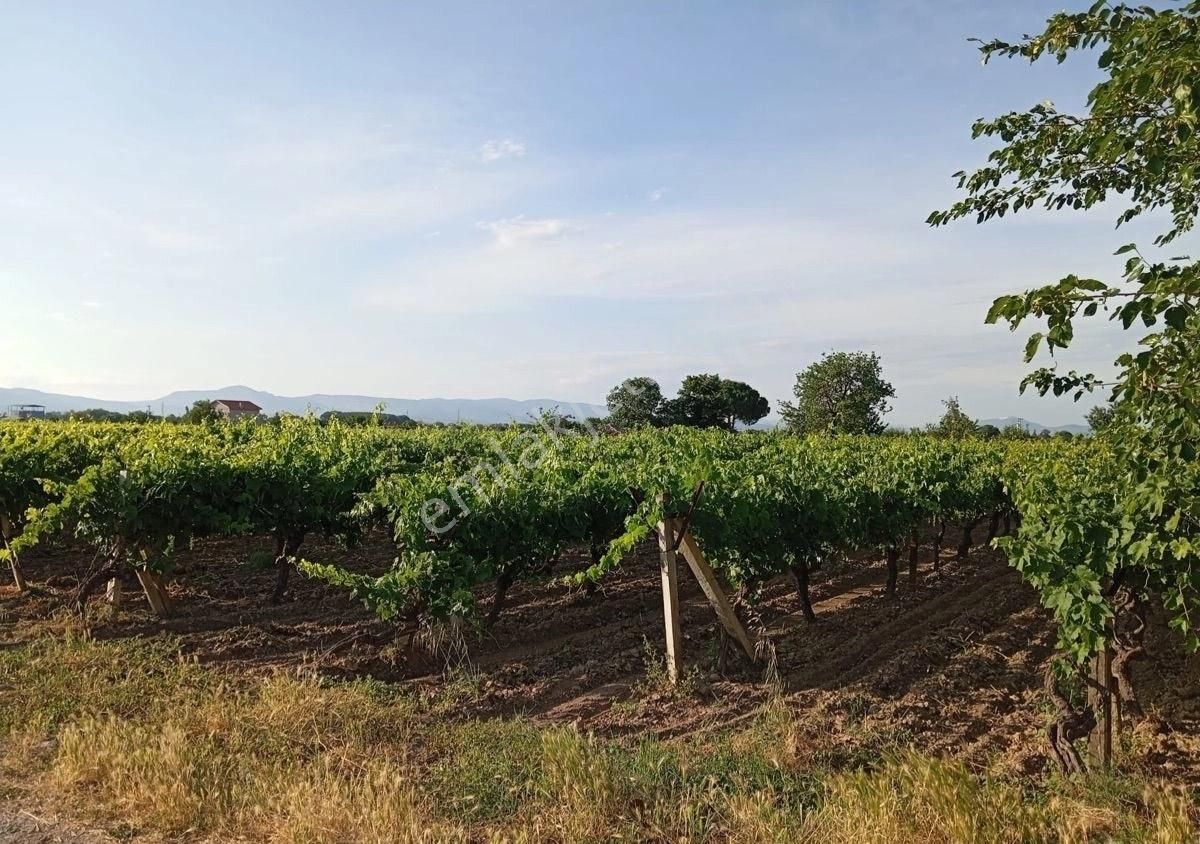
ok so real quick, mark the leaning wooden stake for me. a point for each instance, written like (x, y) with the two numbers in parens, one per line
(1100, 697)
(670, 587)
(156, 593)
(113, 594)
(17, 572)
(715, 594)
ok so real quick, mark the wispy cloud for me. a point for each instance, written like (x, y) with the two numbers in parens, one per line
(499, 148)
(325, 171)
(516, 230)
(641, 258)
(656, 194)
(101, 223)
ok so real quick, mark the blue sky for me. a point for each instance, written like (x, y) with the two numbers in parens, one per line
(518, 199)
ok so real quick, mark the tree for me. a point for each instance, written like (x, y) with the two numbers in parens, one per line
(955, 423)
(843, 393)
(635, 402)
(201, 411)
(551, 419)
(1135, 143)
(96, 415)
(701, 403)
(710, 401)
(743, 404)
(367, 418)
(1016, 431)
(1099, 417)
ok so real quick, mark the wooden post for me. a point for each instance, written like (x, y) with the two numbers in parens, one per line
(160, 586)
(113, 594)
(1101, 699)
(17, 572)
(715, 594)
(1114, 697)
(667, 531)
(152, 585)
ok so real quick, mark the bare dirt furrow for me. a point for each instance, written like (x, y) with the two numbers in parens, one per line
(953, 662)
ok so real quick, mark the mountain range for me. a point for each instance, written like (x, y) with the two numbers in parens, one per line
(482, 411)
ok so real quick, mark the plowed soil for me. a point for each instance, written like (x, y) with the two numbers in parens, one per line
(953, 663)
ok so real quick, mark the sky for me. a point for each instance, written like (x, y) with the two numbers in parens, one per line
(521, 199)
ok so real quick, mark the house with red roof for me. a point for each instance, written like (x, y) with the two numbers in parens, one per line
(234, 409)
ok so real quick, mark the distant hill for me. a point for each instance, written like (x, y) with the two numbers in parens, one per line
(481, 411)
(1034, 427)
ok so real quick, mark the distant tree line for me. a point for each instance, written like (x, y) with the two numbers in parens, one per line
(703, 401)
(203, 411)
(366, 417)
(842, 393)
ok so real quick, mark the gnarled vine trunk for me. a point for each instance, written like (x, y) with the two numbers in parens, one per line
(1129, 629)
(993, 526)
(1068, 727)
(110, 569)
(800, 573)
(964, 544)
(591, 587)
(914, 553)
(503, 582)
(286, 547)
(14, 562)
(893, 559)
(938, 539)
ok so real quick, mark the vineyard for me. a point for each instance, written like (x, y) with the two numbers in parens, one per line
(880, 586)
(473, 512)
(467, 507)
(703, 609)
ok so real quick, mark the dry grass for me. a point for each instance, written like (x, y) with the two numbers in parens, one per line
(915, 798)
(175, 782)
(286, 759)
(166, 746)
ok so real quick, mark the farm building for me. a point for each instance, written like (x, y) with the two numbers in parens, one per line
(233, 409)
(27, 411)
